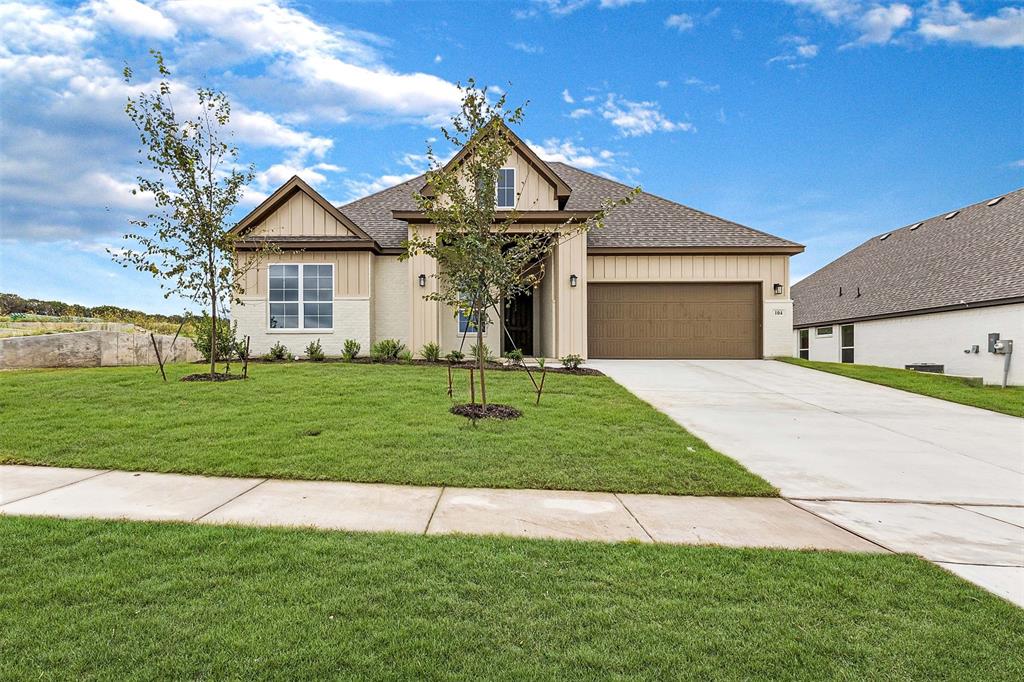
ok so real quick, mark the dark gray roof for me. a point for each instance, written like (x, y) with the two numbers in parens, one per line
(649, 222)
(975, 256)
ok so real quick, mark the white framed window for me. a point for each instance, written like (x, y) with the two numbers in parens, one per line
(468, 319)
(805, 344)
(846, 343)
(823, 331)
(300, 296)
(506, 188)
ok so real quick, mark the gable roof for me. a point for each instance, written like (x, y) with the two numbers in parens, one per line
(562, 190)
(283, 194)
(649, 222)
(953, 260)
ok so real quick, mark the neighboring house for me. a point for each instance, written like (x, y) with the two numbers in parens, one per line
(660, 280)
(930, 292)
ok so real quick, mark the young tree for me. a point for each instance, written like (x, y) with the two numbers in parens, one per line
(480, 259)
(195, 182)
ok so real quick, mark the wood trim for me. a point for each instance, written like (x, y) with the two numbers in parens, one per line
(522, 217)
(283, 194)
(913, 313)
(360, 245)
(714, 250)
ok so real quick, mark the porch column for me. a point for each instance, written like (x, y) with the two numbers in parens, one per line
(570, 258)
(423, 314)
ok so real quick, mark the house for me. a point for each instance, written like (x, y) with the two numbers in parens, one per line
(660, 280)
(928, 293)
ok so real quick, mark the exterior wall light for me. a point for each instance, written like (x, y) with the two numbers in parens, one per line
(573, 280)
(423, 280)
(778, 289)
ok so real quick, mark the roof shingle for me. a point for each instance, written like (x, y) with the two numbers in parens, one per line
(976, 255)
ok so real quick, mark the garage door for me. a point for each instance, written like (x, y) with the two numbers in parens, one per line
(674, 320)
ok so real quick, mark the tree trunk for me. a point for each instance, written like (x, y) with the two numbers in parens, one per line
(213, 338)
(481, 356)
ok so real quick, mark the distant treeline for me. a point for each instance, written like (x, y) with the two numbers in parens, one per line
(12, 304)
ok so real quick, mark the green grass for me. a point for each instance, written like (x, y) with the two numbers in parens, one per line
(375, 423)
(121, 600)
(1008, 400)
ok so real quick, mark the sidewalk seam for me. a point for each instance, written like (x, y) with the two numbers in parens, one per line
(843, 528)
(630, 512)
(433, 511)
(986, 516)
(50, 490)
(231, 499)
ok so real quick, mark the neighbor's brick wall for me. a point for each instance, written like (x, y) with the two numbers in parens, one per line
(390, 299)
(351, 321)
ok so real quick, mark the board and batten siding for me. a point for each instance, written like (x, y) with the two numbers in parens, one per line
(535, 192)
(767, 269)
(351, 271)
(300, 215)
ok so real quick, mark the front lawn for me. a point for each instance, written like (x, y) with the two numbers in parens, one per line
(121, 600)
(1008, 400)
(372, 423)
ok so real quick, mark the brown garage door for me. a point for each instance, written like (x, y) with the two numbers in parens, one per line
(674, 320)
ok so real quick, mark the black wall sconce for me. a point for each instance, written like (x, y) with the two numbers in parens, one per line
(423, 280)
(573, 280)
(778, 289)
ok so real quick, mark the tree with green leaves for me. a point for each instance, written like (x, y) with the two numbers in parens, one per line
(481, 259)
(195, 181)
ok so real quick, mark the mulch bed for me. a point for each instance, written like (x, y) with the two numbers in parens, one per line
(466, 364)
(491, 411)
(206, 376)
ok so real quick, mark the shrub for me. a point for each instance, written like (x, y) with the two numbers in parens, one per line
(515, 356)
(478, 351)
(350, 350)
(278, 351)
(455, 356)
(386, 349)
(571, 361)
(431, 352)
(540, 362)
(227, 346)
(314, 351)
(405, 357)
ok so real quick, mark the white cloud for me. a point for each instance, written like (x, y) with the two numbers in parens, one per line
(633, 119)
(559, 8)
(28, 28)
(800, 50)
(566, 151)
(951, 23)
(878, 24)
(567, 97)
(438, 59)
(527, 48)
(807, 51)
(833, 10)
(680, 22)
(662, 84)
(1019, 163)
(581, 113)
(614, 4)
(695, 82)
(133, 17)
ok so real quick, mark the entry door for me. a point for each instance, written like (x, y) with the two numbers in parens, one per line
(674, 320)
(519, 321)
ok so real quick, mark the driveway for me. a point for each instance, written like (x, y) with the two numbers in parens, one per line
(912, 473)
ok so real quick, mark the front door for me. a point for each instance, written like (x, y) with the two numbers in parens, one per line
(519, 322)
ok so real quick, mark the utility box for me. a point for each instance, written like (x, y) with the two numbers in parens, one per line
(992, 339)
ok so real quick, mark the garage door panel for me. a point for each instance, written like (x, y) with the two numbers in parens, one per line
(674, 320)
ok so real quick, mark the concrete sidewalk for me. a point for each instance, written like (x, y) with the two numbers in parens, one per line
(567, 515)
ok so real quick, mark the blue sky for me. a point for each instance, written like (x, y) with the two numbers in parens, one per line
(822, 121)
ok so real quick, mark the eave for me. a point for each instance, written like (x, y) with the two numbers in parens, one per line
(521, 217)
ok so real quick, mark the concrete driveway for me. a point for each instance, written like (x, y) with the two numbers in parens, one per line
(912, 473)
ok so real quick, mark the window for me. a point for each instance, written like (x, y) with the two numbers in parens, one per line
(467, 319)
(313, 291)
(805, 344)
(846, 343)
(823, 332)
(506, 188)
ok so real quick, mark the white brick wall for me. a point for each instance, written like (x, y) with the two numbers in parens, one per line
(390, 299)
(939, 338)
(351, 321)
(777, 332)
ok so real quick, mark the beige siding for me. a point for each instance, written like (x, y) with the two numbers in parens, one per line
(767, 269)
(351, 271)
(535, 192)
(300, 215)
(423, 314)
(570, 258)
(390, 299)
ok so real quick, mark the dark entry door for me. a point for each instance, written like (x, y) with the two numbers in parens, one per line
(519, 322)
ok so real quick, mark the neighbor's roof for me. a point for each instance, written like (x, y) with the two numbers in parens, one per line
(648, 222)
(955, 259)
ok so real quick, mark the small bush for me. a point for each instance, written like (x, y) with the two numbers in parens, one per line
(350, 351)
(278, 351)
(314, 351)
(571, 361)
(386, 349)
(481, 351)
(227, 346)
(455, 356)
(405, 357)
(515, 356)
(540, 362)
(431, 352)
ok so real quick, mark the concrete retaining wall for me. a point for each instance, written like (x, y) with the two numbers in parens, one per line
(92, 349)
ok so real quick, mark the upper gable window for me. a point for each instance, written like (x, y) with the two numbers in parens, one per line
(506, 188)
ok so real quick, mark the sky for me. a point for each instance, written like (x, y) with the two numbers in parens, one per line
(822, 121)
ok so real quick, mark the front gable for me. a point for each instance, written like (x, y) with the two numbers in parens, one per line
(297, 210)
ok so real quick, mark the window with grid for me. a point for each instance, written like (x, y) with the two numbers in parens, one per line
(309, 287)
(506, 188)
